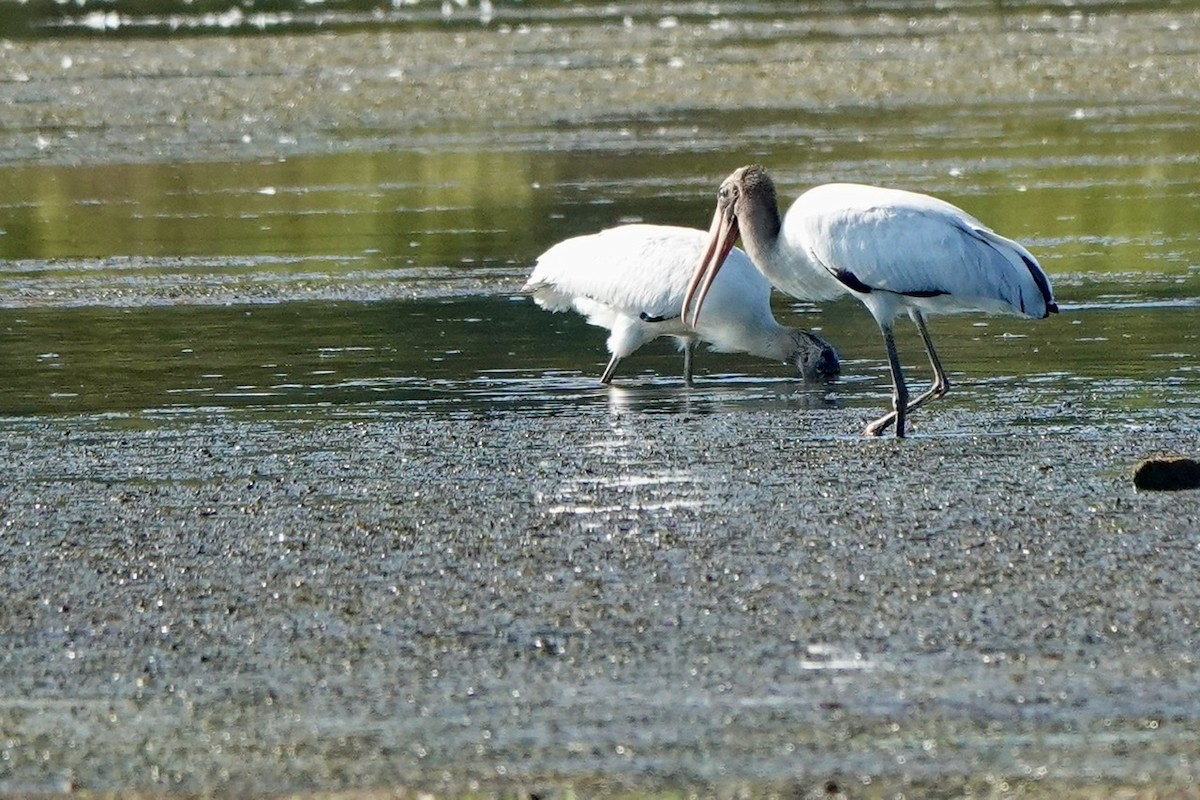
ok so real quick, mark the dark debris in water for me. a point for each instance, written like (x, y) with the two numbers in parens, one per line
(1167, 473)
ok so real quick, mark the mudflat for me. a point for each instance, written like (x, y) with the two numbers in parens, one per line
(634, 602)
(541, 81)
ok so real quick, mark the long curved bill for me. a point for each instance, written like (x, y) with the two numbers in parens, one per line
(721, 238)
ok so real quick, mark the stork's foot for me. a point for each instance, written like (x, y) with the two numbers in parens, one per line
(879, 426)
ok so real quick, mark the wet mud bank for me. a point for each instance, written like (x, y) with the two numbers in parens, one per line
(641, 602)
(545, 81)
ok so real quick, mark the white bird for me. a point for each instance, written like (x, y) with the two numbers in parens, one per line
(631, 279)
(895, 251)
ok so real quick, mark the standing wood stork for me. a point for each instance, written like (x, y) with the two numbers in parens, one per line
(895, 251)
(631, 279)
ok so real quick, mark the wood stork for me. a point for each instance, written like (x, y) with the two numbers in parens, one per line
(896, 251)
(631, 279)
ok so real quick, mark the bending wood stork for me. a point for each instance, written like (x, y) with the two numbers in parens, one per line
(896, 251)
(631, 279)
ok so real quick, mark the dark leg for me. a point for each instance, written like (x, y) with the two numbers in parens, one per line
(609, 370)
(899, 392)
(688, 344)
(940, 385)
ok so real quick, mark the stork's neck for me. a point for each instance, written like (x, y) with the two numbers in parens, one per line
(775, 342)
(783, 259)
(761, 229)
(761, 336)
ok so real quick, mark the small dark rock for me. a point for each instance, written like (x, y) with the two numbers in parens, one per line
(1167, 473)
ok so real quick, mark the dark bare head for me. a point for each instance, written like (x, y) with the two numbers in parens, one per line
(746, 206)
(748, 188)
(813, 356)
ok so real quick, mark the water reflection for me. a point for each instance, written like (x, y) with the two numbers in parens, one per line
(632, 484)
(480, 355)
(387, 276)
(1092, 195)
(331, 214)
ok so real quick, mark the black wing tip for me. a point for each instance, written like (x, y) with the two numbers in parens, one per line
(1043, 283)
(851, 281)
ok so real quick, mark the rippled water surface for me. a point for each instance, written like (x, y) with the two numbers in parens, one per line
(392, 277)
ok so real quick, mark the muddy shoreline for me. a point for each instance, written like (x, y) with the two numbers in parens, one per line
(540, 84)
(639, 601)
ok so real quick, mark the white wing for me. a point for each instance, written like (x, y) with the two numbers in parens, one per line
(643, 269)
(872, 238)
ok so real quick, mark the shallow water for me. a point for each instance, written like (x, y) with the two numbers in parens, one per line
(392, 277)
(489, 354)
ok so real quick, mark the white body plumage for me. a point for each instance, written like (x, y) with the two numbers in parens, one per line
(896, 251)
(631, 280)
(907, 250)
